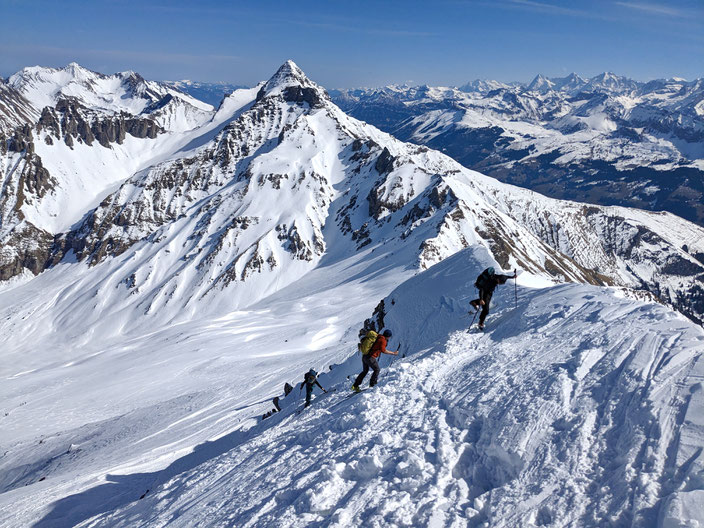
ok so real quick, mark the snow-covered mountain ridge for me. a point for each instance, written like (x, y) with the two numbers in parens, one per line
(97, 131)
(290, 144)
(211, 266)
(606, 140)
(122, 92)
(581, 407)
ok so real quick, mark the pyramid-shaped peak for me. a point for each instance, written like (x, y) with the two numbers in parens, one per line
(76, 70)
(605, 76)
(288, 74)
(130, 76)
(290, 68)
(569, 83)
(290, 82)
(541, 83)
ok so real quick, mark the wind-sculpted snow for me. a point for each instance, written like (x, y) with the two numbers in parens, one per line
(580, 407)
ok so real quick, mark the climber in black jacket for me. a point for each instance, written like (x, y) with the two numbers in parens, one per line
(486, 282)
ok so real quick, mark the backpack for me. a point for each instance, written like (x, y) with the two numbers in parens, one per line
(367, 342)
(310, 376)
(484, 277)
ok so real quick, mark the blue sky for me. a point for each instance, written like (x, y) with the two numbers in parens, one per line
(362, 43)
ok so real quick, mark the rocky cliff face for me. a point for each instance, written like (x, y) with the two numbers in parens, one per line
(24, 246)
(70, 121)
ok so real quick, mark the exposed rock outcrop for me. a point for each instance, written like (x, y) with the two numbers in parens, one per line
(71, 121)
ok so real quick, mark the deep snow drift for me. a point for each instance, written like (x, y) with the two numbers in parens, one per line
(581, 407)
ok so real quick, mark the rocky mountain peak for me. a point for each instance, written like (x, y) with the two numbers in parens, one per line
(72, 72)
(605, 76)
(131, 75)
(570, 83)
(291, 83)
(133, 82)
(611, 82)
(540, 83)
(573, 78)
(288, 74)
(75, 69)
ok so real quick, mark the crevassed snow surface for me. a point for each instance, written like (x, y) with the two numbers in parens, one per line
(577, 408)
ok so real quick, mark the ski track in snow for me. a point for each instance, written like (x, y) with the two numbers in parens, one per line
(576, 409)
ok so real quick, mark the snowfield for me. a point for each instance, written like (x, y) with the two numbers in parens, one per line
(202, 270)
(580, 407)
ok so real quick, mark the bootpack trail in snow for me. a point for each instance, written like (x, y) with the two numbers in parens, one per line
(569, 412)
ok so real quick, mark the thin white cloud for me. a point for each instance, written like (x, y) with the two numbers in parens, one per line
(357, 28)
(542, 6)
(654, 8)
(371, 31)
(551, 9)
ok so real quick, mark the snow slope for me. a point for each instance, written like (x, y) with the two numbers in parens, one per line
(580, 408)
(121, 92)
(252, 249)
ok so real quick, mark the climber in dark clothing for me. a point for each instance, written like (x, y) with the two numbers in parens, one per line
(487, 282)
(309, 381)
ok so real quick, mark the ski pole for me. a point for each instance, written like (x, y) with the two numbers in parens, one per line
(473, 318)
(515, 285)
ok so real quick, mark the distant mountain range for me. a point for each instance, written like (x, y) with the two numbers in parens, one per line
(211, 93)
(607, 140)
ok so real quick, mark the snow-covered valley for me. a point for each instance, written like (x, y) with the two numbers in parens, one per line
(151, 313)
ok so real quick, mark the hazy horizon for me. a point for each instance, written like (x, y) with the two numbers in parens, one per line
(449, 43)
